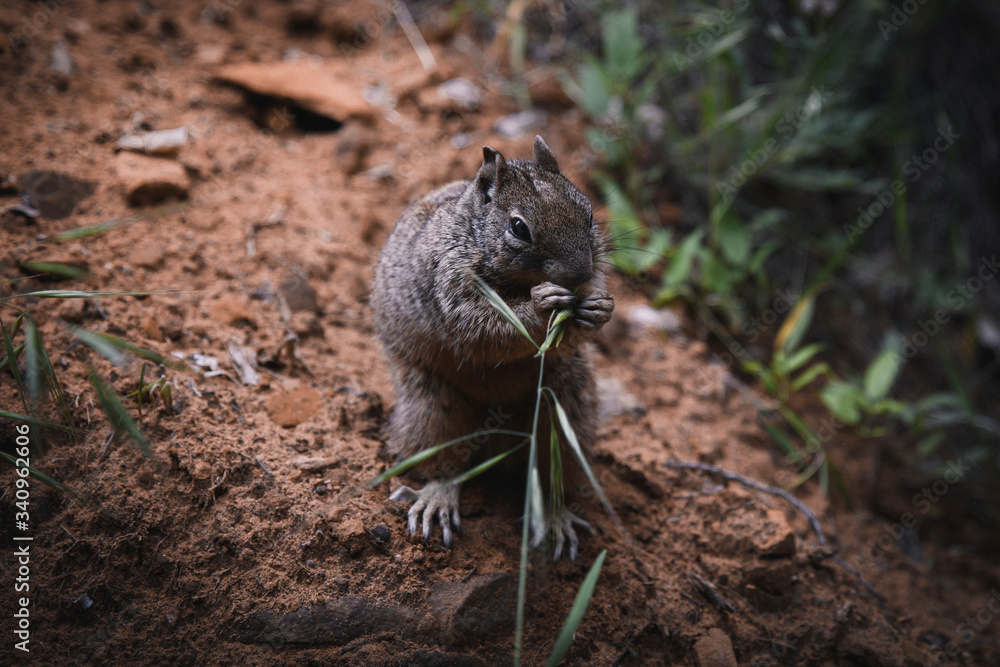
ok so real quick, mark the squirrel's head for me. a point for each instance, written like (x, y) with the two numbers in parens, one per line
(534, 225)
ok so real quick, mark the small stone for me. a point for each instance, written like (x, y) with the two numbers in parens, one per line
(54, 194)
(461, 91)
(150, 180)
(298, 295)
(61, 62)
(663, 319)
(715, 650)
(310, 464)
(72, 310)
(469, 611)
(777, 539)
(151, 330)
(202, 470)
(518, 124)
(293, 408)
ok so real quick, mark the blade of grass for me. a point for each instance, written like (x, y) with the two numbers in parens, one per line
(55, 269)
(40, 476)
(34, 338)
(556, 330)
(576, 612)
(38, 421)
(113, 347)
(120, 420)
(14, 371)
(484, 466)
(79, 294)
(93, 230)
(574, 444)
(6, 359)
(138, 394)
(425, 454)
(522, 576)
(502, 307)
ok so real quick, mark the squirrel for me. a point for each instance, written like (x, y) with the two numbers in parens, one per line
(458, 367)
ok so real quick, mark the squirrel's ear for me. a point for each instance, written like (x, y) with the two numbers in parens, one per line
(491, 174)
(544, 156)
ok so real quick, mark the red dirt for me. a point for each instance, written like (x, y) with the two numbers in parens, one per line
(255, 539)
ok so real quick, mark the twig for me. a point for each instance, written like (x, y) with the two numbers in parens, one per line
(709, 590)
(409, 26)
(795, 502)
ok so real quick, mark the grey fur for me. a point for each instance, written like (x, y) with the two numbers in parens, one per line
(458, 367)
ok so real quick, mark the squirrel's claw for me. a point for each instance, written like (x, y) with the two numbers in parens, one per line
(563, 533)
(594, 310)
(549, 296)
(435, 499)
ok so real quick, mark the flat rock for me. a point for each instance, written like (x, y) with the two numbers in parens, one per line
(468, 611)
(54, 194)
(328, 88)
(149, 180)
(292, 408)
(715, 650)
(343, 620)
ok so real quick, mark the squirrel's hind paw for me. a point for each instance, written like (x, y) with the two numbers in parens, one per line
(435, 499)
(563, 534)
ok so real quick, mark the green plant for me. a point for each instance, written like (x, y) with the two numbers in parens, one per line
(533, 506)
(39, 377)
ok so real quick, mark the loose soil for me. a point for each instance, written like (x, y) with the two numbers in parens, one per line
(253, 538)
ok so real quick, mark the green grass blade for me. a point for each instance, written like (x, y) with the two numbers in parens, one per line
(78, 294)
(38, 421)
(114, 347)
(576, 612)
(574, 444)
(802, 356)
(784, 443)
(34, 338)
(120, 420)
(557, 498)
(41, 476)
(425, 454)
(503, 308)
(6, 359)
(93, 230)
(55, 270)
(14, 371)
(810, 374)
(522, 572)
(484, 466)
(555, 330)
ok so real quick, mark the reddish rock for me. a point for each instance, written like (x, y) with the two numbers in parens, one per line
(293, 408)
(149, 180)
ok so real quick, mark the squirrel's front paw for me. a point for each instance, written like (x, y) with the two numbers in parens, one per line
(594, 310)
(549, 297)
(435, 499)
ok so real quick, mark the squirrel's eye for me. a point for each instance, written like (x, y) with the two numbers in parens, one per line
(520, 229)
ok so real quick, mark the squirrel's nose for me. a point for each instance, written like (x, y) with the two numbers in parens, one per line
(570, 273)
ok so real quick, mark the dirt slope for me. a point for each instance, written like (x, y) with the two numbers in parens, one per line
(255, 540)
